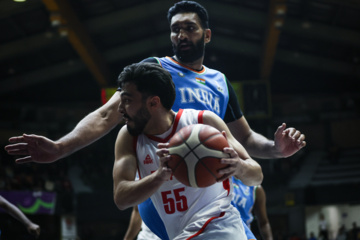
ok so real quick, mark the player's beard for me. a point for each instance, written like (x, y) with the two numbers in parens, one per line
(139, 121)
(195, 52)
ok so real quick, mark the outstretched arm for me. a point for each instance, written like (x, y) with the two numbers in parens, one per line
(134, 224)
(261, 214)
(287, 141)
(40, 149)
(240, 164)
(32, 228)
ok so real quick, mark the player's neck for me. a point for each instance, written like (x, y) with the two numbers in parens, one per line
(160, 123)
(197, 65)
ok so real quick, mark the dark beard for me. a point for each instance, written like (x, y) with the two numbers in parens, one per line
(140, 120)
(194, 53)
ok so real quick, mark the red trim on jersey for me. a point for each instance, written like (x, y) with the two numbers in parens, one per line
(201, 71)
(176, 122)
(204, 226)
(200, 117)
(135, 139)
(226, 185)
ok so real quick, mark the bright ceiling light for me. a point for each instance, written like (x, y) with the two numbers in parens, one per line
(19, 0)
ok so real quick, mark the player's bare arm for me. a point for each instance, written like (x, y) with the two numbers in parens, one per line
(40, 149)
(241, 165)
(287, 141)
(10, 208)
(127, 191)
(134, 224)
(261, 214)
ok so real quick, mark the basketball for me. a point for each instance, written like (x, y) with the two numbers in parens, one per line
(195, 152)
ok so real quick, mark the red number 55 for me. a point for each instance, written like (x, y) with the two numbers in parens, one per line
(175, 201)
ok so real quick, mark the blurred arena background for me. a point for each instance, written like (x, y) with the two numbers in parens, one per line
(293, 61)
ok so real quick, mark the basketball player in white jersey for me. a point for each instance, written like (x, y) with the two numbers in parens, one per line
(147, 96)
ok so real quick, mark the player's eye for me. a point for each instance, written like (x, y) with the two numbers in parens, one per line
(125, 100)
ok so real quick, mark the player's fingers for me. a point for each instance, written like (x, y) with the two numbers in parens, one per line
(223, 178)
(301, 138)
(17, 146)
(16, 139)
(232, 153)
(18, 152)
(280, 129)
(301, 144)
(229, 169)
(162, 152)
(291, 132)
(296, 134)
(32, 138)
(163, 145)
(224, 134)
(24, 160)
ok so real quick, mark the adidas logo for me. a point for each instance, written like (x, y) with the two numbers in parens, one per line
(148, 160)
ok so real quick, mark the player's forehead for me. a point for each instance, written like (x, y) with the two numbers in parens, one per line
(185, 18)
(130, 90)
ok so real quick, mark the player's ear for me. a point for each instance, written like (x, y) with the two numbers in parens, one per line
(154, 101)
(207, 35)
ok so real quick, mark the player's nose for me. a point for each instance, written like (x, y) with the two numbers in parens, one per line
(182, 34)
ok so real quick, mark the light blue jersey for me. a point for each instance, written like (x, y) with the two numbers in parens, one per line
(202, 90)
(244, 200)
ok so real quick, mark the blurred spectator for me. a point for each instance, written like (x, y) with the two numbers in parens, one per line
(354, 232)
(312, 236)
(323, 231)
(342, 235)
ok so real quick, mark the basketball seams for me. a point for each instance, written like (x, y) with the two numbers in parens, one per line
(198, 143)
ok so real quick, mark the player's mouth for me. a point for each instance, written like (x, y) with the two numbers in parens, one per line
(126, 118)
(184, 46)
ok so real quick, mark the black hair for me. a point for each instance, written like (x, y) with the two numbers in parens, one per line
(190, 7)
(151, 80)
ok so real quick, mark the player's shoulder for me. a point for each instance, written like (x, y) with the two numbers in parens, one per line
(212, 70)
(124, 138)
(151, 60)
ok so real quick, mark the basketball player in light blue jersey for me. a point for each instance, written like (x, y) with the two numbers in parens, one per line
(249, 200)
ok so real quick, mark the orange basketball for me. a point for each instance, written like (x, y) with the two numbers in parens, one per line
(195, 152)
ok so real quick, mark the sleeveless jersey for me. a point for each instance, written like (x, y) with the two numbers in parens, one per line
(178, 205)
(244, 200)
(202, 90)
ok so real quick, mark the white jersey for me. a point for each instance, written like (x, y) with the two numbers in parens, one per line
(146, 233)
(187, 211)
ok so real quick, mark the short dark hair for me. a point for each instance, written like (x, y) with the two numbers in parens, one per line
(190, 7)
(151, 80)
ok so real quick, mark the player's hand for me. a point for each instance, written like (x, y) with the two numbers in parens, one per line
(288, 141)
(234, 163)
(34, 148)
(34, 229)
(164, 172)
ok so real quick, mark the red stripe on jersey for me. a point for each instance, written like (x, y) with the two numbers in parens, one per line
(135, 139)
(176, 122)
(204, 226)
(200, 117)
(226, 185)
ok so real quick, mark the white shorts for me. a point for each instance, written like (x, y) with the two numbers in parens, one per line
(226, 227)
